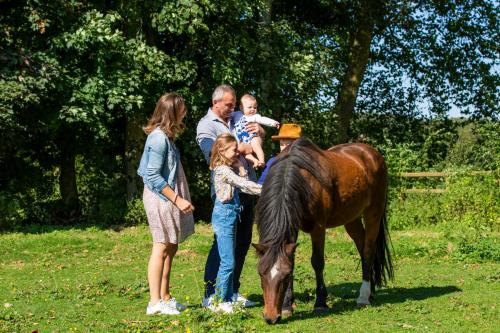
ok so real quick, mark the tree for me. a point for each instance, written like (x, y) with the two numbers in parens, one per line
(432, 54)
(77, 76)
(78, 79)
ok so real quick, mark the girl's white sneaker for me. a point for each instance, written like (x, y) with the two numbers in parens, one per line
(238, 298)
(206, 301)
(162, 308)
(224, 307)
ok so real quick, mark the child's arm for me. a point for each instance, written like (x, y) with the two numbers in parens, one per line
(257, 118)
(242, 183)
(242, 172)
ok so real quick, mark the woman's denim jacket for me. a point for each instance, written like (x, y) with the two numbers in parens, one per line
(159, 161)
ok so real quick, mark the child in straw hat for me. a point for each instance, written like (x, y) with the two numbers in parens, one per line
(288, 133)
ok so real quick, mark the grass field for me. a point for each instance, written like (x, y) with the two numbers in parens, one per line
(80, 280)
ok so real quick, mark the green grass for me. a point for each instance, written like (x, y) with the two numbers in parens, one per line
(80, 280)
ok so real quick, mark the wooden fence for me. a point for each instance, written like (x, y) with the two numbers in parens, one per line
(435, 174)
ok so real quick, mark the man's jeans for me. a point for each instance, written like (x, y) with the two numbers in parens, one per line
(241, 241)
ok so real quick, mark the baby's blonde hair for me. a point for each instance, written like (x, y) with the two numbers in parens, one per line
(220, 145)
(247, 97)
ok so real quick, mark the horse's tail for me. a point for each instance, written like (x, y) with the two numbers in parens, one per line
(382, 269)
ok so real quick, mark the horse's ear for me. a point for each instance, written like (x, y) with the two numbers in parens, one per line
(260, 248)
(290, 248)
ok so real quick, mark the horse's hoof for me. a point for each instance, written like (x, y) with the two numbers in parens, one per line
(363, 305)
(285, 313)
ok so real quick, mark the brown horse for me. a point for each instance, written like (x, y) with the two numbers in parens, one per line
(312, 189)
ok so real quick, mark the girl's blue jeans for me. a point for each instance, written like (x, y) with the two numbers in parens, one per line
(224, 222)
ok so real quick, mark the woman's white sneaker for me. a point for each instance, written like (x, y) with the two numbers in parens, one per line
(162, 308)
(172, 302)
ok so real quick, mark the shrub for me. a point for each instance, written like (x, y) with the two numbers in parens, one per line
(101, 190)
(135, 213)
(477, 146)
(12, 211)
(407, 211)
(478, 248)
(470, 202)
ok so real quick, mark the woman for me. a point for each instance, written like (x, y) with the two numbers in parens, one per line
(166, 199)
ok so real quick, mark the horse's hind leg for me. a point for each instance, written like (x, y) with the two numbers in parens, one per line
(318, 264)
(356, 231)
(372, 219)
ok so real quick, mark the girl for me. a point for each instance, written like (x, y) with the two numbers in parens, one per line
(227, 184)
(166, 199)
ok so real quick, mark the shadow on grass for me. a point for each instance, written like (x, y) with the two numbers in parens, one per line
(344, 298)
(49, 228)
(257, 298)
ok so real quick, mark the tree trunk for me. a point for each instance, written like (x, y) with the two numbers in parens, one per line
(70, 209)
(67, 180)
(134, 136)
(359, 52)
(270, 58)
(134, 140)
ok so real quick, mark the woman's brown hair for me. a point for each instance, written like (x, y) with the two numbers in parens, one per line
(220, 145)
(167, 115)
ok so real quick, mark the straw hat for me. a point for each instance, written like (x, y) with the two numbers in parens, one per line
(288, 131)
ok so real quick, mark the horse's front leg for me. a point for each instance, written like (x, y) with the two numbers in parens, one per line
(288, 301)
(318, 264)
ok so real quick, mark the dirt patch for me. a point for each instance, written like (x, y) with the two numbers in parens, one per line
(187, 253)
(19, 264)
(420, 233)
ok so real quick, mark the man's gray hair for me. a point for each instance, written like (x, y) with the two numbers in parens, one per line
(221, 90)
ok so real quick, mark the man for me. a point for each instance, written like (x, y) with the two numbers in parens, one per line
(288, 133)
(215, 122)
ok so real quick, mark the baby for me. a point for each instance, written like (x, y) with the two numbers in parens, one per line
(248, 104)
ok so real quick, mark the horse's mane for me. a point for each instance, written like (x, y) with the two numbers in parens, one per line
(283, 204)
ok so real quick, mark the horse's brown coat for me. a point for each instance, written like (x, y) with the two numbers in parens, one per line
(312, 189)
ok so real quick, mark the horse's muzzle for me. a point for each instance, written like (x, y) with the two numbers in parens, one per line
(272, 321)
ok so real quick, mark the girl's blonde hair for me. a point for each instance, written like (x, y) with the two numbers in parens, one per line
(168, 115)
(220, 145)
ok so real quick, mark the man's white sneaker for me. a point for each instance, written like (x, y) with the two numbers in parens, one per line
(224, 307)
(207, 301)
(238, 298)
(161, 307)
(172, 303)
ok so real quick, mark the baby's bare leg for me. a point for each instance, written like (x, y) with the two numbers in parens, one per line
(256, 144)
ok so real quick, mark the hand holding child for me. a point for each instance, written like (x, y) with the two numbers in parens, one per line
(252, 127)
